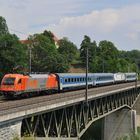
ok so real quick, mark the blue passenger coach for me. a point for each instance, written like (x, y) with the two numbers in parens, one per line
(103, 78)
(73, 80)
(76, 80)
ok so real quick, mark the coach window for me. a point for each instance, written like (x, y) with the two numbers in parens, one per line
(72, 79)
(78, 79)
(66, 80)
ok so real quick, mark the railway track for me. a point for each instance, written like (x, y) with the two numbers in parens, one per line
(50, 99)
(1, 99)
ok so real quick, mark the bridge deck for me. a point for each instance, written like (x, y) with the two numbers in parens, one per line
(24, 108)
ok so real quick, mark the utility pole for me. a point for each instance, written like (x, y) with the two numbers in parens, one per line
(136, 81)
(86, 93)
(103, 65)
(30, 59)
(136, 75)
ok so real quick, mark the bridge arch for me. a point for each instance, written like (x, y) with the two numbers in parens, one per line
(73, 121)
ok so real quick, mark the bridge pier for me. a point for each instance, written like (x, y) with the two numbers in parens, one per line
(119, 123)
(10, 130)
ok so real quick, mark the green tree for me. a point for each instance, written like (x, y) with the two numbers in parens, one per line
(84, 45)
(68, 50)
(109, 55)
(3, 26)
(13, 55)
(133, 58)
(93, 57)
(45, 56)
(92, 53)
(50, 36)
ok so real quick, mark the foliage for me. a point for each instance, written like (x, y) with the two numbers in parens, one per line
(45, 56)
(13, 55)
(92, 53)
(105, 57)
(132, 136)
(3, 26)
(133, 57)
(109, 55)
(68, 50)
(29, 137)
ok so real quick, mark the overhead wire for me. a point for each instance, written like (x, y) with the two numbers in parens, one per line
(13, 30)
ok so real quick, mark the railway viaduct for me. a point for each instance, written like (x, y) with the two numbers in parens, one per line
(65, 116)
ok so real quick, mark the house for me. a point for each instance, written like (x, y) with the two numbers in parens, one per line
(56, 41)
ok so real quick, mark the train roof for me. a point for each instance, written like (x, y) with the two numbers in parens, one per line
(13, 75)
(83, 74)
(39, 75)
(130, 73)
(72, 74)
(102, 74)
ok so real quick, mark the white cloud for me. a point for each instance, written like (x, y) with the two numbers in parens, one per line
(132, 36)
(30, 16)
(110, 24)
(66, 18)
(102, 21)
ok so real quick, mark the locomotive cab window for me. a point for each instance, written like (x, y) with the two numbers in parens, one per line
(9, 81)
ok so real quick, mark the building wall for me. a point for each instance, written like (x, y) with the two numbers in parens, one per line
(10, 130)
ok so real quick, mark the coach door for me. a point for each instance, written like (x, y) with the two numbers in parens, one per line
(19, 85)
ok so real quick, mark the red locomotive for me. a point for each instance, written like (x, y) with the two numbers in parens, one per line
(18, 84)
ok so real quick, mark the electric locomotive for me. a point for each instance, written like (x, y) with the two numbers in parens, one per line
(22, 85)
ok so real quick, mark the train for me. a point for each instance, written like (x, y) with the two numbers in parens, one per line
(19, 85)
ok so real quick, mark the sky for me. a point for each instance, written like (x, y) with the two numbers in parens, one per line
(117, 21)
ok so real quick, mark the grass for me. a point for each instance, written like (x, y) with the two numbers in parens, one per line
(131, 137)
(16, 137)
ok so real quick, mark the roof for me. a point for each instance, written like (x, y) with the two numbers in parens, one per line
(84, 74)
(25, 41)
(39, 75)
